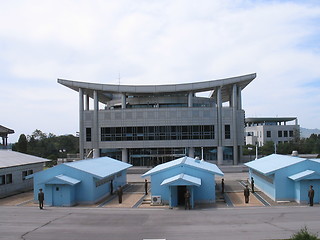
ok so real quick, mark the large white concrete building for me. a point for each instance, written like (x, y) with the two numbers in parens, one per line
(146, 125)
(271, 129)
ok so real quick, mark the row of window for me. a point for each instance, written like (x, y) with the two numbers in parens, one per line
(281, 133)
(269, 134)
(26, 173)
(158, 133)
(5, 179)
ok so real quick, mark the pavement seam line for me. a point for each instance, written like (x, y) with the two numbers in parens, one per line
(47, 223)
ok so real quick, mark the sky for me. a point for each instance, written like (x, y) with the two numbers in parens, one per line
(156, 42)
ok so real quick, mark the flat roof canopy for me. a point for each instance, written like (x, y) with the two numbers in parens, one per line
(269, 119)
(106, 91)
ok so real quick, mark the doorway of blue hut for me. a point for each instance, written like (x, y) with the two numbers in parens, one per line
(181, 191)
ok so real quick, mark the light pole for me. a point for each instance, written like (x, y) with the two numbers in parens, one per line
(256, 150)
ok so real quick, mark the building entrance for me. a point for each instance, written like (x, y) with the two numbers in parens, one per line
(181, 192)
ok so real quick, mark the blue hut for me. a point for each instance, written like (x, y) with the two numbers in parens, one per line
(169, 181)
(286, 178)
(85, 181)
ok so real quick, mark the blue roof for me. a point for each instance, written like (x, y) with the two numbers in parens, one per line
(210, 167)
(269, 164)
(63, 179)
(182, 179)
(100, 167)
(307, 174)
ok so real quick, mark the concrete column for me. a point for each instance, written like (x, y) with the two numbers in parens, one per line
(220, 155)
(234, 124)
(219, 127)
(81, 124)
(95, 128)
(190, 99)
(123, 100)
(87, 107)
(96, 153)
(239, 98)
(124, 155)
(191, 152)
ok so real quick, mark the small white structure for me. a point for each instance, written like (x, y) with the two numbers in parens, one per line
(14, 168)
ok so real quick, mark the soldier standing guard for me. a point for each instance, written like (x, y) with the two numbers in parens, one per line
(246, 194)
(146, 187)
(252, 185)
(111, 187)
(311, 195)
(222, 186)
(40, 198)
(120, 194)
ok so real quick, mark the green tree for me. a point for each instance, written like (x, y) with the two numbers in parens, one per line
(22, 144)
(267, 148)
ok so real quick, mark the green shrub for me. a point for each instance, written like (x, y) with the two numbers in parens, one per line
(303, 234)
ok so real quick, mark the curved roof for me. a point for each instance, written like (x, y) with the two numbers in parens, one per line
(105, 91)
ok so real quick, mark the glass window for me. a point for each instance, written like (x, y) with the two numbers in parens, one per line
(268, 134)
(227, 133)
(8, 178)
(285, 133)
(279, 133)
(24, 174)
(290, 133)
(2, 179)
(88, 134)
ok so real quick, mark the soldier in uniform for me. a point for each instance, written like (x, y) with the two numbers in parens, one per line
(222, 186)
(246, 194)
(146, 187)
(187, 200)
(111, 187)
(252, 185)
(120, 192)
(40, 198)
(311, 195)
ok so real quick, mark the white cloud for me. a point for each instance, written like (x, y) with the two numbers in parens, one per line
(160, 42)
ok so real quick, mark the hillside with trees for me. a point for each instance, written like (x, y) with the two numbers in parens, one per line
(47, 146)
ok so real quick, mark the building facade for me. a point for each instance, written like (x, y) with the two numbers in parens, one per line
(147, 125)
(14, 169)
(277, 130)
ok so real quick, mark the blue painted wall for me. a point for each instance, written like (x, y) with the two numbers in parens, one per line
(84, 192)
(285, 189)
(201, 194)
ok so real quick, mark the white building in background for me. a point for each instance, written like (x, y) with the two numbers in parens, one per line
(14, 169)
(275, 129)
(147, 125)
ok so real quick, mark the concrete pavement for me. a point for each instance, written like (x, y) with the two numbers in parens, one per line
(129, 223)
